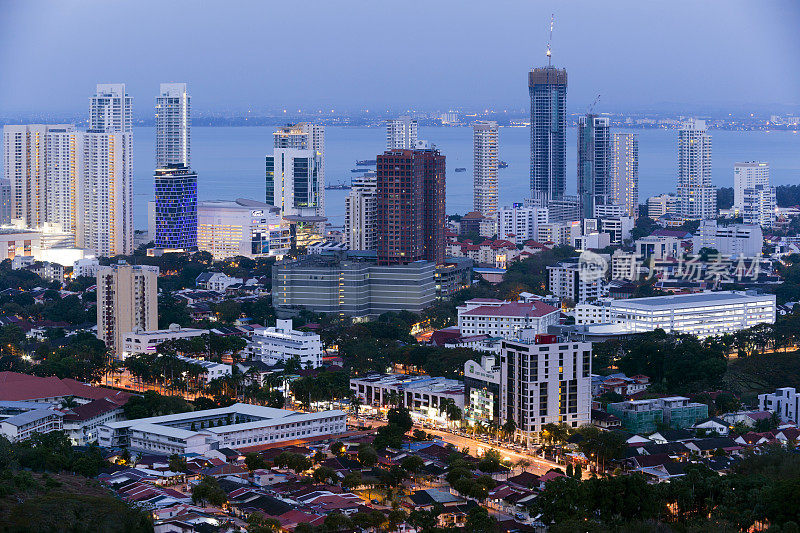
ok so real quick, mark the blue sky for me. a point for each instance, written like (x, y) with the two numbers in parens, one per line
(378, 54)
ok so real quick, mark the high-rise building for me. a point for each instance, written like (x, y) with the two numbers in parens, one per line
(40, 162)
(176, 208)
(759, 205)
(484, 148)
(518, 223)
(360, 212)
(594, 164)
(127, 298)
(295, 172)
(748, 174)
(411, 206)
(173, 125)
(697, 196)
(243, 227)
(110, 108)
(663, 204)
(548, 91)
(5, 202)
(401, 133)
(545, 381)
(625, 173)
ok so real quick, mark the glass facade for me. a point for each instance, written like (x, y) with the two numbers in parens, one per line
(176, 208)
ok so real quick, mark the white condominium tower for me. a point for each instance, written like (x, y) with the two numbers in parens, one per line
(625, 173)
(484, 144)
(127, 298)
(401, 133)
(360, 213)
(295, 172)
(40, 162)
(696, 195)
(110, 108)
(173, 125)
(748, 175)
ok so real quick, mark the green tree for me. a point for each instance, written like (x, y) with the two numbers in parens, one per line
(209, 491)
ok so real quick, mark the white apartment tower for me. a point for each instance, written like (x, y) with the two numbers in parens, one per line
(519, 223)
(484, 144)
(360, 213)
(625, 172)
(127, 298)
(295, 172)
(753, 198)
(401, 133)
(40, 162)
(748, 174)
(696, 194)
(173, 125)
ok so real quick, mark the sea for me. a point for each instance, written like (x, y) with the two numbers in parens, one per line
(229, 161)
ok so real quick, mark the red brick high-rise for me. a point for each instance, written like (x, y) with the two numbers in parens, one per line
(411, 206)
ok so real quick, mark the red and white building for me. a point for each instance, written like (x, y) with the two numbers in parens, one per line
(498, 318)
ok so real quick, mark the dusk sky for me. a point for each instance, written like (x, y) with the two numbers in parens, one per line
(352, 55)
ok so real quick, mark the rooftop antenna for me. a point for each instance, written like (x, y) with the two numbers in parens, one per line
(550, 40)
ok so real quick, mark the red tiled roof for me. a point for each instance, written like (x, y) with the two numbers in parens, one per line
(520, 309)
(20, 387)
(92, 409)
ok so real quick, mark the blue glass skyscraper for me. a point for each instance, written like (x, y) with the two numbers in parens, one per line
(176, 208)
(548, 91)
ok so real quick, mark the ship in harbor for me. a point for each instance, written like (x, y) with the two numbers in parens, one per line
(367, 162)
(341, 186)
(461, 169)
(502, 164)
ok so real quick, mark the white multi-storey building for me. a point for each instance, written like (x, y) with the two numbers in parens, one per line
(360, 214)
(238, 426)
(748, 175)
(87, 266)
(545, 381)
(173, 125)
(498, 318)
(734, 240)
(703, 314)
(664, 204)
(697, 196)
(785, 402)
(277, 345)
(401, 133)
(485, 134)
(658, 247)
(625, 172)
(759, 206)
(139, 341)
(295, 172)
(566, 281)
(22, 426)
(519, 223)
(421, 395)
(127, 298)
(248, 228)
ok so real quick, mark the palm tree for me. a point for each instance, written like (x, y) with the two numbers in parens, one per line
(394, 398)
(523, 464)
(69, 402)
(355, 403)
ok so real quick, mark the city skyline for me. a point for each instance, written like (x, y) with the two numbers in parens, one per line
(221, 79)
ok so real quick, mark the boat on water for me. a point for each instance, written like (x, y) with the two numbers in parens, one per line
(502, 164)
(354, 170)
(366, 162)
(461, 169)
(341, 186)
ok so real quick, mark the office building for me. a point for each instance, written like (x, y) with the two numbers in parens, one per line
(625, 173)
(127, 298)
(279, 344)
(498, 318)
(594, 164)
(331, 284)
(748, 175)
(661, 205)
(40, 164)
(658, 247)
(482, 390)
(176, 208)
(518, 223)
(484, 149)
(785, 402)
(618, 227)
(564, 209)
(548, 91)
(401, 133)
(545, 381)
(702, 314)
(759, 206)
(411, 206)
(567, 281)
(733, 240)
(295, 172)
(140, 341)
(696, 194)
(421, 395)
(237, 426)
(173, 126)
(241, 227)
(646, 416)
(360, 214)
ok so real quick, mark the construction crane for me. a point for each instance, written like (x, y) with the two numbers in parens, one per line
(591, 107)
(550, 40)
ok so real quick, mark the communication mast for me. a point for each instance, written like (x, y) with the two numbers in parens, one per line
(550, 40)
